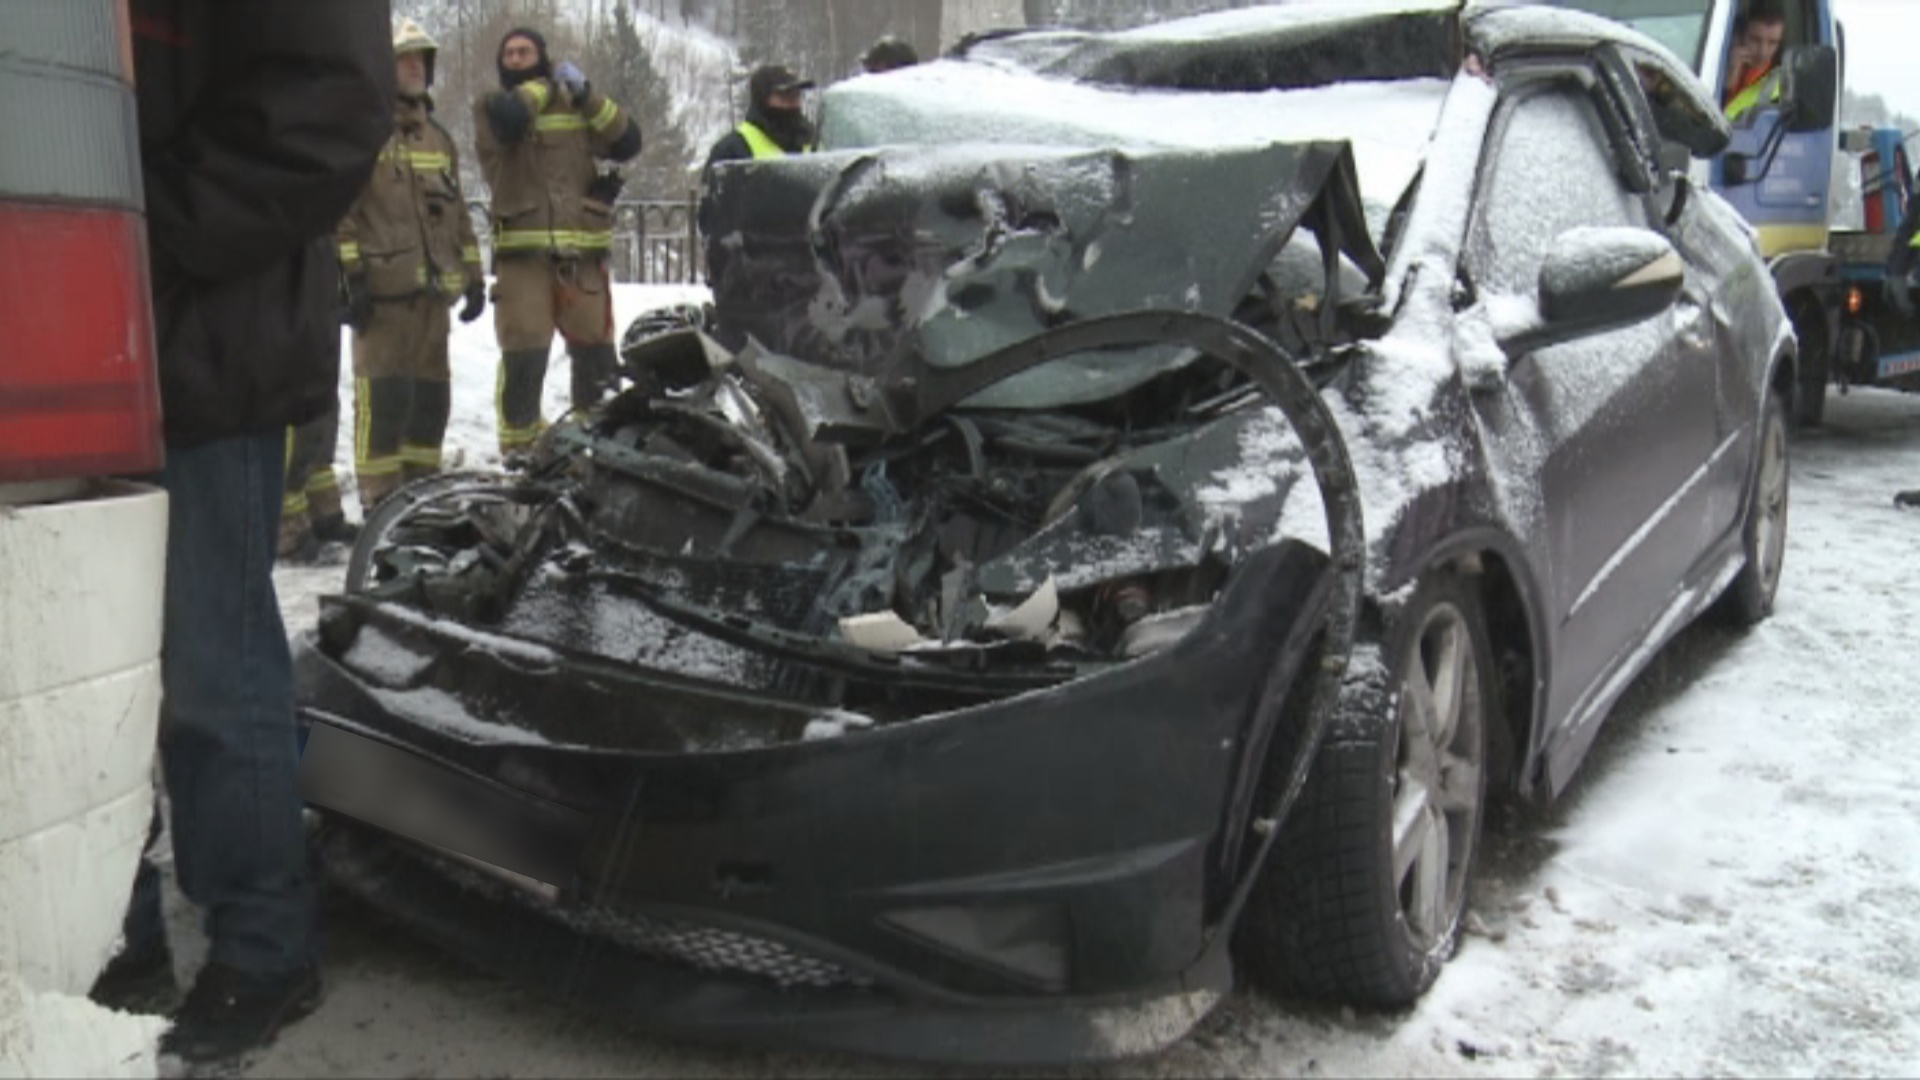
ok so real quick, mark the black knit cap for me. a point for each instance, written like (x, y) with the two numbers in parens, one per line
(889, 54)
(542, 70)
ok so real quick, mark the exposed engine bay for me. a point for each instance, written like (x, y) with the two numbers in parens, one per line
(750, 519)
(995, 477)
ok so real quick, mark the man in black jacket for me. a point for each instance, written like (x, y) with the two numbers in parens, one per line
(775, 126)
(259, 124)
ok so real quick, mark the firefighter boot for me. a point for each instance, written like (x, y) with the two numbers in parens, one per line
(328, 517)
(523, 377)
(595, 369)
(297, 543)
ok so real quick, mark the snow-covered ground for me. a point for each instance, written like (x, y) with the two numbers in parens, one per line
(1731, 887)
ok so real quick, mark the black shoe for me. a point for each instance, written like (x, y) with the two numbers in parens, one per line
(138, 983)
(228, 1012)
(1908, 500)
(336, 530)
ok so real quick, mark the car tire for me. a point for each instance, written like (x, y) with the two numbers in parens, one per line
(1337, 915)
(397, 506)
(1748, 601)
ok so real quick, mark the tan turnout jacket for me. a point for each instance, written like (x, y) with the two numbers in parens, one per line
(540, 201)
(409, 232)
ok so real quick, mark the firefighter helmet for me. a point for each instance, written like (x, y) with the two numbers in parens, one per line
(409, 37)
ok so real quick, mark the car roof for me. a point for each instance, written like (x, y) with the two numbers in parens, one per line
(1305, 43)
(1275, 47)
(1321, 43)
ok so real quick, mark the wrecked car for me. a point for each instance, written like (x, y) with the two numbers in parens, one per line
(1139, 497)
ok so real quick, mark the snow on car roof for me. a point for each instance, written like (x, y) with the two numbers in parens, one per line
(1266, 18)
(959, 101)
(1497, 26)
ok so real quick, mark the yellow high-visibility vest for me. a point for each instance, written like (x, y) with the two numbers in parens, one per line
(762, 144)
(1768, 87)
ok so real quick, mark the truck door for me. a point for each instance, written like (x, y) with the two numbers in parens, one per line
(1788, 174)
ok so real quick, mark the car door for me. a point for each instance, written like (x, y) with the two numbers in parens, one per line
(1610, 431)
(1723, 285)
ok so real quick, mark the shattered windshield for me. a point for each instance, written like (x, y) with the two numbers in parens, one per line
(1680, 25)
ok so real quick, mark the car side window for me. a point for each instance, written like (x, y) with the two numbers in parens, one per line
(1550, 171)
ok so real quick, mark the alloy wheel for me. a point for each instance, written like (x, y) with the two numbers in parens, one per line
(1439, 784)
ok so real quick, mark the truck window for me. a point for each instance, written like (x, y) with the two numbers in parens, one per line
(1680, 25)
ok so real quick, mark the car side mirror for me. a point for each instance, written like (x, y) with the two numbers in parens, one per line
(1598, 278)
(1608, 277)
(1813, 80)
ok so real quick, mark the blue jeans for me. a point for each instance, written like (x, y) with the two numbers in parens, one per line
(226, 718)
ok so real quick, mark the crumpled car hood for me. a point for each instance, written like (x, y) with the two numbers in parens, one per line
(902, 263)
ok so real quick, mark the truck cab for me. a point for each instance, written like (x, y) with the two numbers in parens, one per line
(1778, 169)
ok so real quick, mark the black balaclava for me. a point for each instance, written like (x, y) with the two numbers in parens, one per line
(787, 127)
(542, 70)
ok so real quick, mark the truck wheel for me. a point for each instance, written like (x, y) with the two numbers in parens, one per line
(1363, 895)
(1749, 600)
(1816, 365)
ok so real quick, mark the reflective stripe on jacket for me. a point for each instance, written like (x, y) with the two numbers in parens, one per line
(540, 181)
(409, 232)
(1767, 88)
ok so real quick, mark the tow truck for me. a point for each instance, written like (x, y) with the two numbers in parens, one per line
(1778, 172)
(1878, 346)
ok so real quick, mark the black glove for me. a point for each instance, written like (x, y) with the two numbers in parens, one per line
(508, 116)
(606, 187)
(476, 297)
(359, 302)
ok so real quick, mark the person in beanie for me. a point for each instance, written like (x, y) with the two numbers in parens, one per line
(888, 54)
(407, 251)
(259, 123)
(776, 126)
(539, 137)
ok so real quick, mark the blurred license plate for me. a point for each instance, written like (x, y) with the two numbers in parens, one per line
(491, 826)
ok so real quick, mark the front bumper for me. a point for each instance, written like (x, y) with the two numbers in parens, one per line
(1050, 877)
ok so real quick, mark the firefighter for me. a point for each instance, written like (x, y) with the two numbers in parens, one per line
(538, 138)
(310, 513)
(407, 251)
